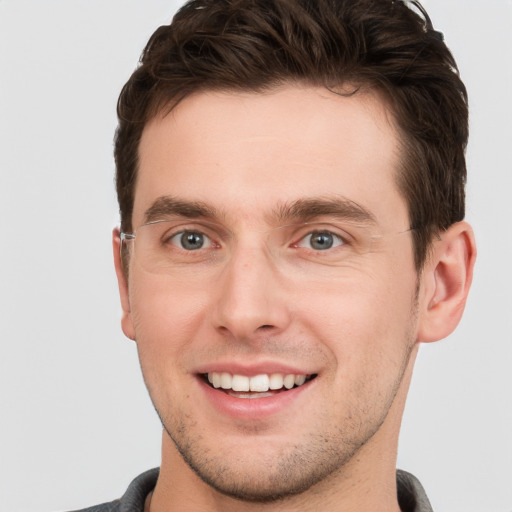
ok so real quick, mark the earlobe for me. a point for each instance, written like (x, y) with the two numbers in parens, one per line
(122, 281)
(446, 281)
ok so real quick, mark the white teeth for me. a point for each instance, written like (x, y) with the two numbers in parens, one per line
(240, 383)
(289, 381)
(225, 380)
(300, 379)
(215, 379)
(259, 383)
(276, 381)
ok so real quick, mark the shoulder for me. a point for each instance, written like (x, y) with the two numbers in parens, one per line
(133, 499)
(112, 506)
(411, 495)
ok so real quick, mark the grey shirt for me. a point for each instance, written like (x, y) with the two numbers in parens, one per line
(411, 496)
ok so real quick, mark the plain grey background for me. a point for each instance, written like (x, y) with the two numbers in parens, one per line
(76, 424)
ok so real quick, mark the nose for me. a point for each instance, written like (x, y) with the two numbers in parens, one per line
(252, 297)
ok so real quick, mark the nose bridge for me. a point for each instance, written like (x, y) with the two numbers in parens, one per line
(251, 295)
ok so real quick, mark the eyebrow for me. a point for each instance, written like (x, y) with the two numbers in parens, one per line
(167, 206)
(300, 210)
(338, 207)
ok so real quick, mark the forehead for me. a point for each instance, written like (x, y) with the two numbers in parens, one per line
(245, 154)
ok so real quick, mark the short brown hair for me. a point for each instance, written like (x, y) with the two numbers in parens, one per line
(255, 45)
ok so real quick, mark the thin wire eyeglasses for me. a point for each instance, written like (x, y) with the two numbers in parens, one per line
(179, 245)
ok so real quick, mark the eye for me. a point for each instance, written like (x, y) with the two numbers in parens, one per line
(191, 240)
(321, 241)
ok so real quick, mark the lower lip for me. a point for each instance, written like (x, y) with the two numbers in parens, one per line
(253, 408)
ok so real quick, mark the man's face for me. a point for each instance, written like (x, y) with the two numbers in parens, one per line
(260, 280)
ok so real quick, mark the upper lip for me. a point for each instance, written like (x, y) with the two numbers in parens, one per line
(249, 370)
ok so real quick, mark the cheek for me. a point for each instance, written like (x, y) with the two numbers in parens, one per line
(366, 323)
(166, 318)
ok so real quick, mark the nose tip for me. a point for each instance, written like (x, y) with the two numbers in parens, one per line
(243, 329)
(251, 301)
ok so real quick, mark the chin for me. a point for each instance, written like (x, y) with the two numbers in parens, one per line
(268, 477)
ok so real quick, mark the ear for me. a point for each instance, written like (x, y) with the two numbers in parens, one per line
(122, 281)
(446, 280)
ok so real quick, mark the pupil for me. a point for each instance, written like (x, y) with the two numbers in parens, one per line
(321, 241)
(192, 241)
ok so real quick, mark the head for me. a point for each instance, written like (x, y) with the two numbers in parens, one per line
(347, 47)
(263, 133)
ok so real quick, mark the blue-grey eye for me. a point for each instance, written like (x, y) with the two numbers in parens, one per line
(191, 240)
(321, 241)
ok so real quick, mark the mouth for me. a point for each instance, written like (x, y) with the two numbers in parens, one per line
(258, 386)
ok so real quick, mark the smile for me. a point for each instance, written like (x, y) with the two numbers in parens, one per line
(258, 386)
(253, 395)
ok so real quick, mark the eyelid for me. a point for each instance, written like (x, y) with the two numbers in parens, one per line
(206, 238)
(295, 231)
(309, 228)
(306, 244)
(172, 236)
(173, 227)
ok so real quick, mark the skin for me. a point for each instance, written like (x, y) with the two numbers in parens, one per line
(355, 325)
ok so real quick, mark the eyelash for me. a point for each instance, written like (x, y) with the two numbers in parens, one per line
(338, 240)
(190, 232)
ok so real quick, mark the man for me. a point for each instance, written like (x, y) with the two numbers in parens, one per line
(291, 184)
